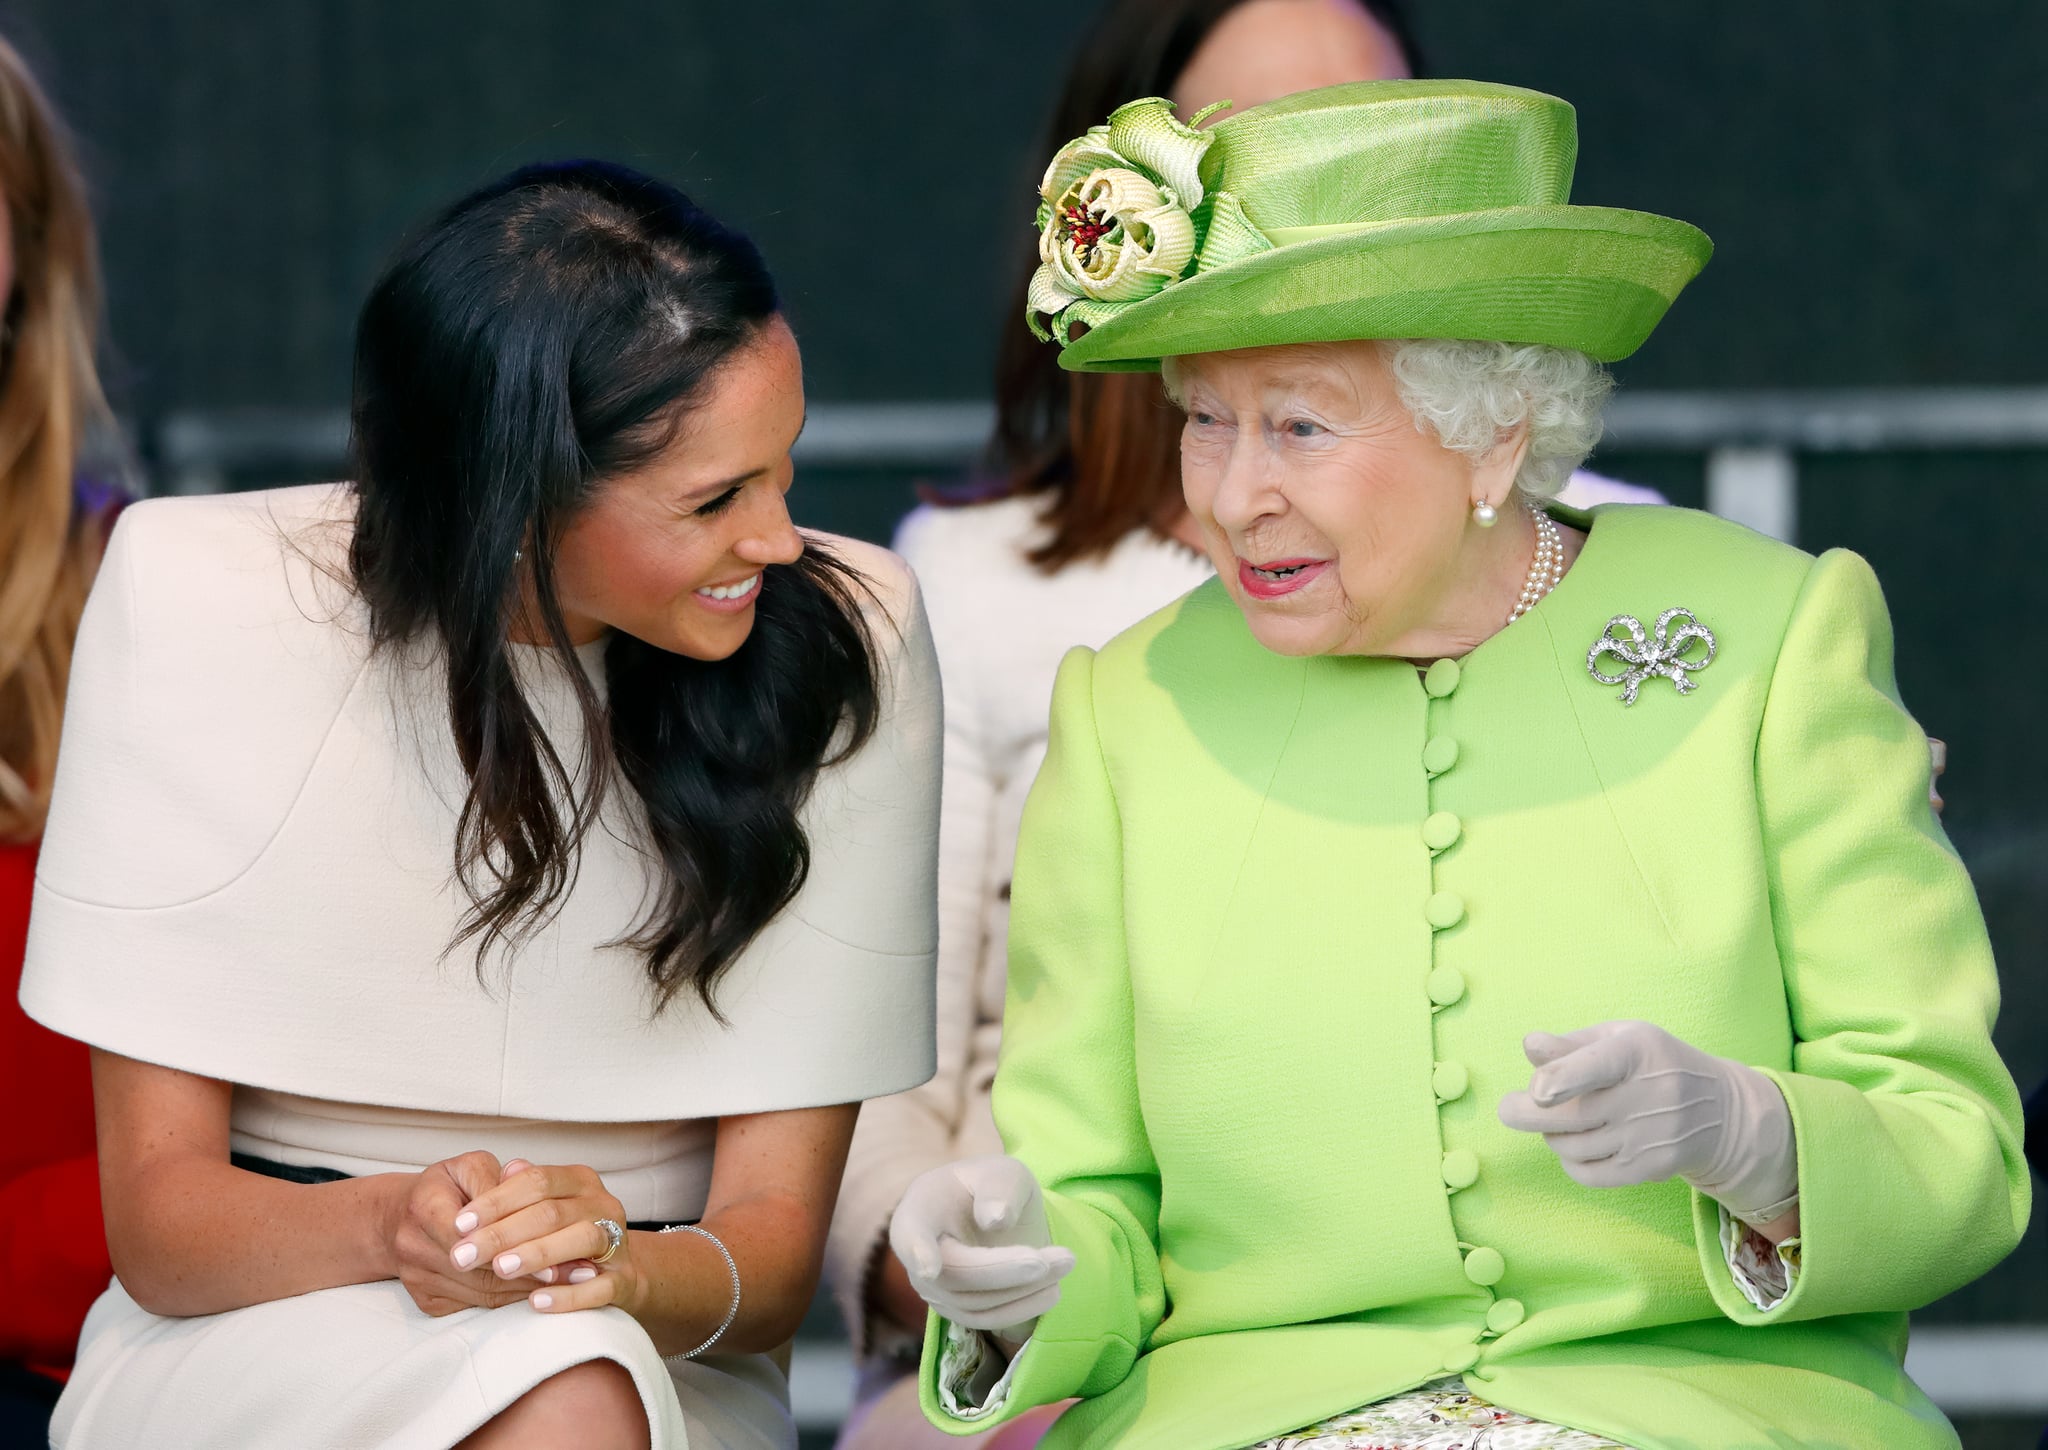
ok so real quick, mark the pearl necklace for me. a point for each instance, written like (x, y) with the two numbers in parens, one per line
(1544, 570)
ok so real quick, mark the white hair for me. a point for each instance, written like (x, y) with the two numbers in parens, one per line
(1471, 393)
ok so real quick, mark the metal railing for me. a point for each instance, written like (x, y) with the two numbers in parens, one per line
(1751, 440)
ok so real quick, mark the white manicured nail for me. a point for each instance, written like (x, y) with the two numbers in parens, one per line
(465, 1221)
(543, 1301)
(464, 1255)
(583, 1275)
(508, 1264)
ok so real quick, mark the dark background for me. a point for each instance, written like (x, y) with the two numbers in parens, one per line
(1871, 174)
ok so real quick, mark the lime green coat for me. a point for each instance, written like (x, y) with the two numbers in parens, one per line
(1240, 1043)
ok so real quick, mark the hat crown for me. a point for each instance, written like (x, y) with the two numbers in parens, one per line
(1392, 150)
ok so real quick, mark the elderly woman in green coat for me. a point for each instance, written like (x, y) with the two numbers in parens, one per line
(1481, 974)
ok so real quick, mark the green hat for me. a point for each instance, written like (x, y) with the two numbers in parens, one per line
(1382, 209)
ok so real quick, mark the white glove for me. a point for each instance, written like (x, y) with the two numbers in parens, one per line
(1626, 1102)
(973, 1237)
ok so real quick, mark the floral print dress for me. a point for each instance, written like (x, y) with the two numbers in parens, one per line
(1442, 1415)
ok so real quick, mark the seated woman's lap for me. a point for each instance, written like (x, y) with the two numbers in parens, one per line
(358, 1365)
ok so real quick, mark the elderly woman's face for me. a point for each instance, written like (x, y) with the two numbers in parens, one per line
(1333, 520)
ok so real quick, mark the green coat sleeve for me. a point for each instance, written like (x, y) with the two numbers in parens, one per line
(1911, 1181)
(1066, 1093)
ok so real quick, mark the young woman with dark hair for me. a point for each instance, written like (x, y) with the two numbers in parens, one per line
(490, 888)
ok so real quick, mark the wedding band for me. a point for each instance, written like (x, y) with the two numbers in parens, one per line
(614, 1237)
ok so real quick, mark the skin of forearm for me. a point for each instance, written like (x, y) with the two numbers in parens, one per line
(686, 1289)
(1784, 1226)
(893, 1295)
(195, 1236)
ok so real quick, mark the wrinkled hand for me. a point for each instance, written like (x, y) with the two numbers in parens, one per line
(424, 1233)
(540, 1223)
(1626, 1102)
(974, 1239)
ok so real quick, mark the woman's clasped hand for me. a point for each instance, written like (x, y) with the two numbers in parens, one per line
(538, 1232)
(472, 1234)
(423, 1238)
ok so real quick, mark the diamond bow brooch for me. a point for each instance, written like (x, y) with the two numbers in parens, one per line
(1645, 654)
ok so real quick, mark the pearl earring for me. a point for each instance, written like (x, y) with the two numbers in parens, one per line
(1485, 514)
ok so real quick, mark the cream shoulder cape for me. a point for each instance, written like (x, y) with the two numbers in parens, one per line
(247, 872)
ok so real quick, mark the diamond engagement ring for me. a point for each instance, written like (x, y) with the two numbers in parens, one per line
(614, 1236)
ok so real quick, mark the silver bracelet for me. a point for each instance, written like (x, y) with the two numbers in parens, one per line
(730, 1267)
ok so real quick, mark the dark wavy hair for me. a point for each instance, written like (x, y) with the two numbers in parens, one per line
(518, 352)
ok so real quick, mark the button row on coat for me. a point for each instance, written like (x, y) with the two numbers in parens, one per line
(1446, 985)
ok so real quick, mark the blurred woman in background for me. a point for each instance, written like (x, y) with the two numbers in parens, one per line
(1086, 534)
(53, 524)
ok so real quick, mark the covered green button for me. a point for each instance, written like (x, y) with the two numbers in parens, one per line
(1441, 831)
(1445, 910)
(1505, 1315)
(1484, 1267)
(1440, 754)
(1446, 985)
(1461, 1359)
(1450, 1080)
(1441, 678)
(1461, 1168)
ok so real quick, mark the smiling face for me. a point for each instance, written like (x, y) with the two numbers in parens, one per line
(672, 551)
(1338, 526)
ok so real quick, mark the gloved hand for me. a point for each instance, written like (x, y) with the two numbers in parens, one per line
(1626, 1102)
(973, 1237)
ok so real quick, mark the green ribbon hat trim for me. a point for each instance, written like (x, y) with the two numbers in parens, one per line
(1382, 209)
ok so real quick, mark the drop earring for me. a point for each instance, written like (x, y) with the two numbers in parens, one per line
(1485, 514)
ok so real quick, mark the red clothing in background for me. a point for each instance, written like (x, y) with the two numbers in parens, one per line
(53, 1243)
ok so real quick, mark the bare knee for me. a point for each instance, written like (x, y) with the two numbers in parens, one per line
(594, 1404)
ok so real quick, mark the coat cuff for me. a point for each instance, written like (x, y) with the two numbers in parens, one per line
(1831, 1202)
(1069, 1354)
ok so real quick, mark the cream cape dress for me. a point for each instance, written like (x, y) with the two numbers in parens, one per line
(247, 875)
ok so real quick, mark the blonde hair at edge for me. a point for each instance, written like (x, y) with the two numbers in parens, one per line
(1470, 393)
(48, 393)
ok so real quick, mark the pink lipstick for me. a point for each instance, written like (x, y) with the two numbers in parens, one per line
(1278, 578)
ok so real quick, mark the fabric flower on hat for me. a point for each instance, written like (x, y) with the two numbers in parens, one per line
(1113, 215)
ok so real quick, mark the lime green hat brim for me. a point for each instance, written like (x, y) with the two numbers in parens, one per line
(1593, 279)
